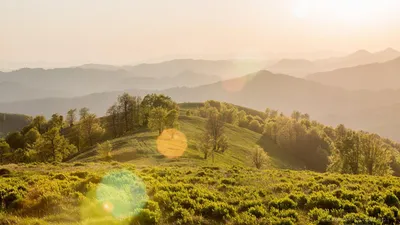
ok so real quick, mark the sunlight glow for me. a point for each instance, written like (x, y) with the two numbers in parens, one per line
(172, 143)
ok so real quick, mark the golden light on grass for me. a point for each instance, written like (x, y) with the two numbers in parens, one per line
(172, 143)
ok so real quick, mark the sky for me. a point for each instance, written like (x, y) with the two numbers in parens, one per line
(129, 31)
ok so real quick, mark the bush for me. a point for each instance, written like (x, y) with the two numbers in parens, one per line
(357, 218)
(145, 216)
(285, 203)
(217, 210)
(316, 214)
(324, 201)
(4, 172)
(391, 200)
(257, 211)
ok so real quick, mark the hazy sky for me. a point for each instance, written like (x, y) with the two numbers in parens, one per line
(125, 31)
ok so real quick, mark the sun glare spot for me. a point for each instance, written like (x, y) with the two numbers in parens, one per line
(171, 143)
(108, 207)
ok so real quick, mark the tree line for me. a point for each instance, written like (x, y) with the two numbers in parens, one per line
(319, 147)
(59, 138)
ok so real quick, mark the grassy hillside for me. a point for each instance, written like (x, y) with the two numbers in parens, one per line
(12, 122)
(116, 193)
(140, 148)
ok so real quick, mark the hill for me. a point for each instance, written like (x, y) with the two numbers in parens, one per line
(12, 122)
(12, 91)
(258, 91)
(376, 76)
(301, 68)
(139, 184)
(144, 152)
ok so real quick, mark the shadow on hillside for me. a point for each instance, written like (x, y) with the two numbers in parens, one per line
(274, 151)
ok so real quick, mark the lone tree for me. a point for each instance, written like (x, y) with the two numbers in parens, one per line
(215, 132)
(259, 158)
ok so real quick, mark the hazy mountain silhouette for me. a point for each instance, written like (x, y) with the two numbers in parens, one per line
(374, 76)
(12, 91)
(300, 68)
(263, 89)
(221, 68)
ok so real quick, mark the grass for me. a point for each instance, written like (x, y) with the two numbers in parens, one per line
(140, 148)
(121, 193)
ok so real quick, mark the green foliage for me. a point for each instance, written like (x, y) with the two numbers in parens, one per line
(105, 149)
(172, 198)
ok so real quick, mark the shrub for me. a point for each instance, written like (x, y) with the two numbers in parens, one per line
(300, 199)
(146, 216)
(357, 218)
(217, 210)
(316, 214)
(391, 200)
(329, 180)
(349, 207)
(4, 172)
(324, 201)
(257, 211)
(284, 203)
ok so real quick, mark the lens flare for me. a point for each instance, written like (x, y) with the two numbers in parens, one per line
(171, 143)
(120, 195)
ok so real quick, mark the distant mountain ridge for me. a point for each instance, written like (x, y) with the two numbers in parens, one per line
(301, 68)
(375, 76)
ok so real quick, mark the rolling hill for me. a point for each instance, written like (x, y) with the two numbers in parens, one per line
(258, 91)
(301, 68)
(376, 76)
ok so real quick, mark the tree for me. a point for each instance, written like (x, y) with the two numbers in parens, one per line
(296, 115)
(126, 103)
(255, 126)
(91, 128)
(56, 121)
(4, 149)
(152, 101)
(105, 149)
(259, 158)
(347, 157)
(204, 145)
(71, 117)
(31, 136)
(376, 155)
(15, 140)
(83, 112)
(172, 119)
(53, 144)
(215, 132)
(40, 123)
(157, 119)
(113, 118)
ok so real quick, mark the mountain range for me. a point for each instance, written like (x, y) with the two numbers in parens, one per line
(301, 67)
(375, 76)
(331, 105)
